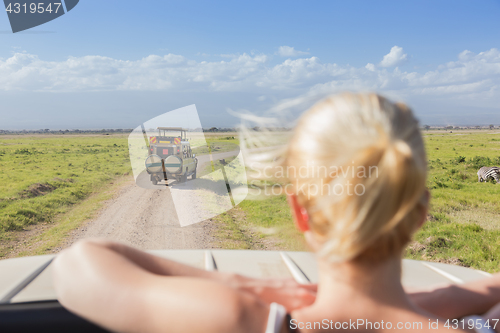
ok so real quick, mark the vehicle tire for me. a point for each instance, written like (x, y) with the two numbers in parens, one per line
(154, 181)
(194, 173)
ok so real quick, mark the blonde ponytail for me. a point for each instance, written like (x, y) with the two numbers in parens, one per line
(368, 133)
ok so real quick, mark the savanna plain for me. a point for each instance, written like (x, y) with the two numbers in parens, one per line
(52, 184)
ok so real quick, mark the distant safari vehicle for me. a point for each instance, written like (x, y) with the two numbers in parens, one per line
(170, 156)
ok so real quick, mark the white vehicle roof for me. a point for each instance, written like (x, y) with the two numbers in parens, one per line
(29, 279)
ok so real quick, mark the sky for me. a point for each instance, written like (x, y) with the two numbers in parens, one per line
(117, 64)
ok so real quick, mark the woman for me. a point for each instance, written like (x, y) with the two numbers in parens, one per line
(360, 201)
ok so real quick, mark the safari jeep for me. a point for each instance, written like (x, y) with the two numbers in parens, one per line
(170, 156)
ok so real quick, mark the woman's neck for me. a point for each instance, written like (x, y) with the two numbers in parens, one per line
(379, 283)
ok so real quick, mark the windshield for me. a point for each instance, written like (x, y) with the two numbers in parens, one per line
(134, 122)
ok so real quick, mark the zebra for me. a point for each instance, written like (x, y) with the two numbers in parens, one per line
(485, 173)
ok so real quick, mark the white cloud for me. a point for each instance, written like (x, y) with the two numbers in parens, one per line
(470, 81)
(288, 51)
(474, 78)
(465, 55)
(394, 58)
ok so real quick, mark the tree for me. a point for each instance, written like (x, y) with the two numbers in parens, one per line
(492, 127)
(427, 127)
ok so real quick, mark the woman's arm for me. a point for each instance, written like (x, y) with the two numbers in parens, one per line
(456, 301)
(158, 265)
(286, 292)
(129, 295)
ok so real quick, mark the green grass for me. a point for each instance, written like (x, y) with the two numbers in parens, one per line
(272, 218)
(258, 225)
(44, 176)
(215, 145)
(62, 225)
(452, 242)
(464, 220)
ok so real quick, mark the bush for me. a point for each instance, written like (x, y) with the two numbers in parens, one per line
(25, 151)
(480, 161)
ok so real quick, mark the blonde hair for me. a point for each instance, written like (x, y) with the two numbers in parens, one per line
(359, 132)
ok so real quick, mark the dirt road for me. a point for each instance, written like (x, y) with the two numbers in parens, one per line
(145, 216)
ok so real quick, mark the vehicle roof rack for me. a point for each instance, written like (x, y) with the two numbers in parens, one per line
(172, 129)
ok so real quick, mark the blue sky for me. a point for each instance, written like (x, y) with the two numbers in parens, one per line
(115, 64)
